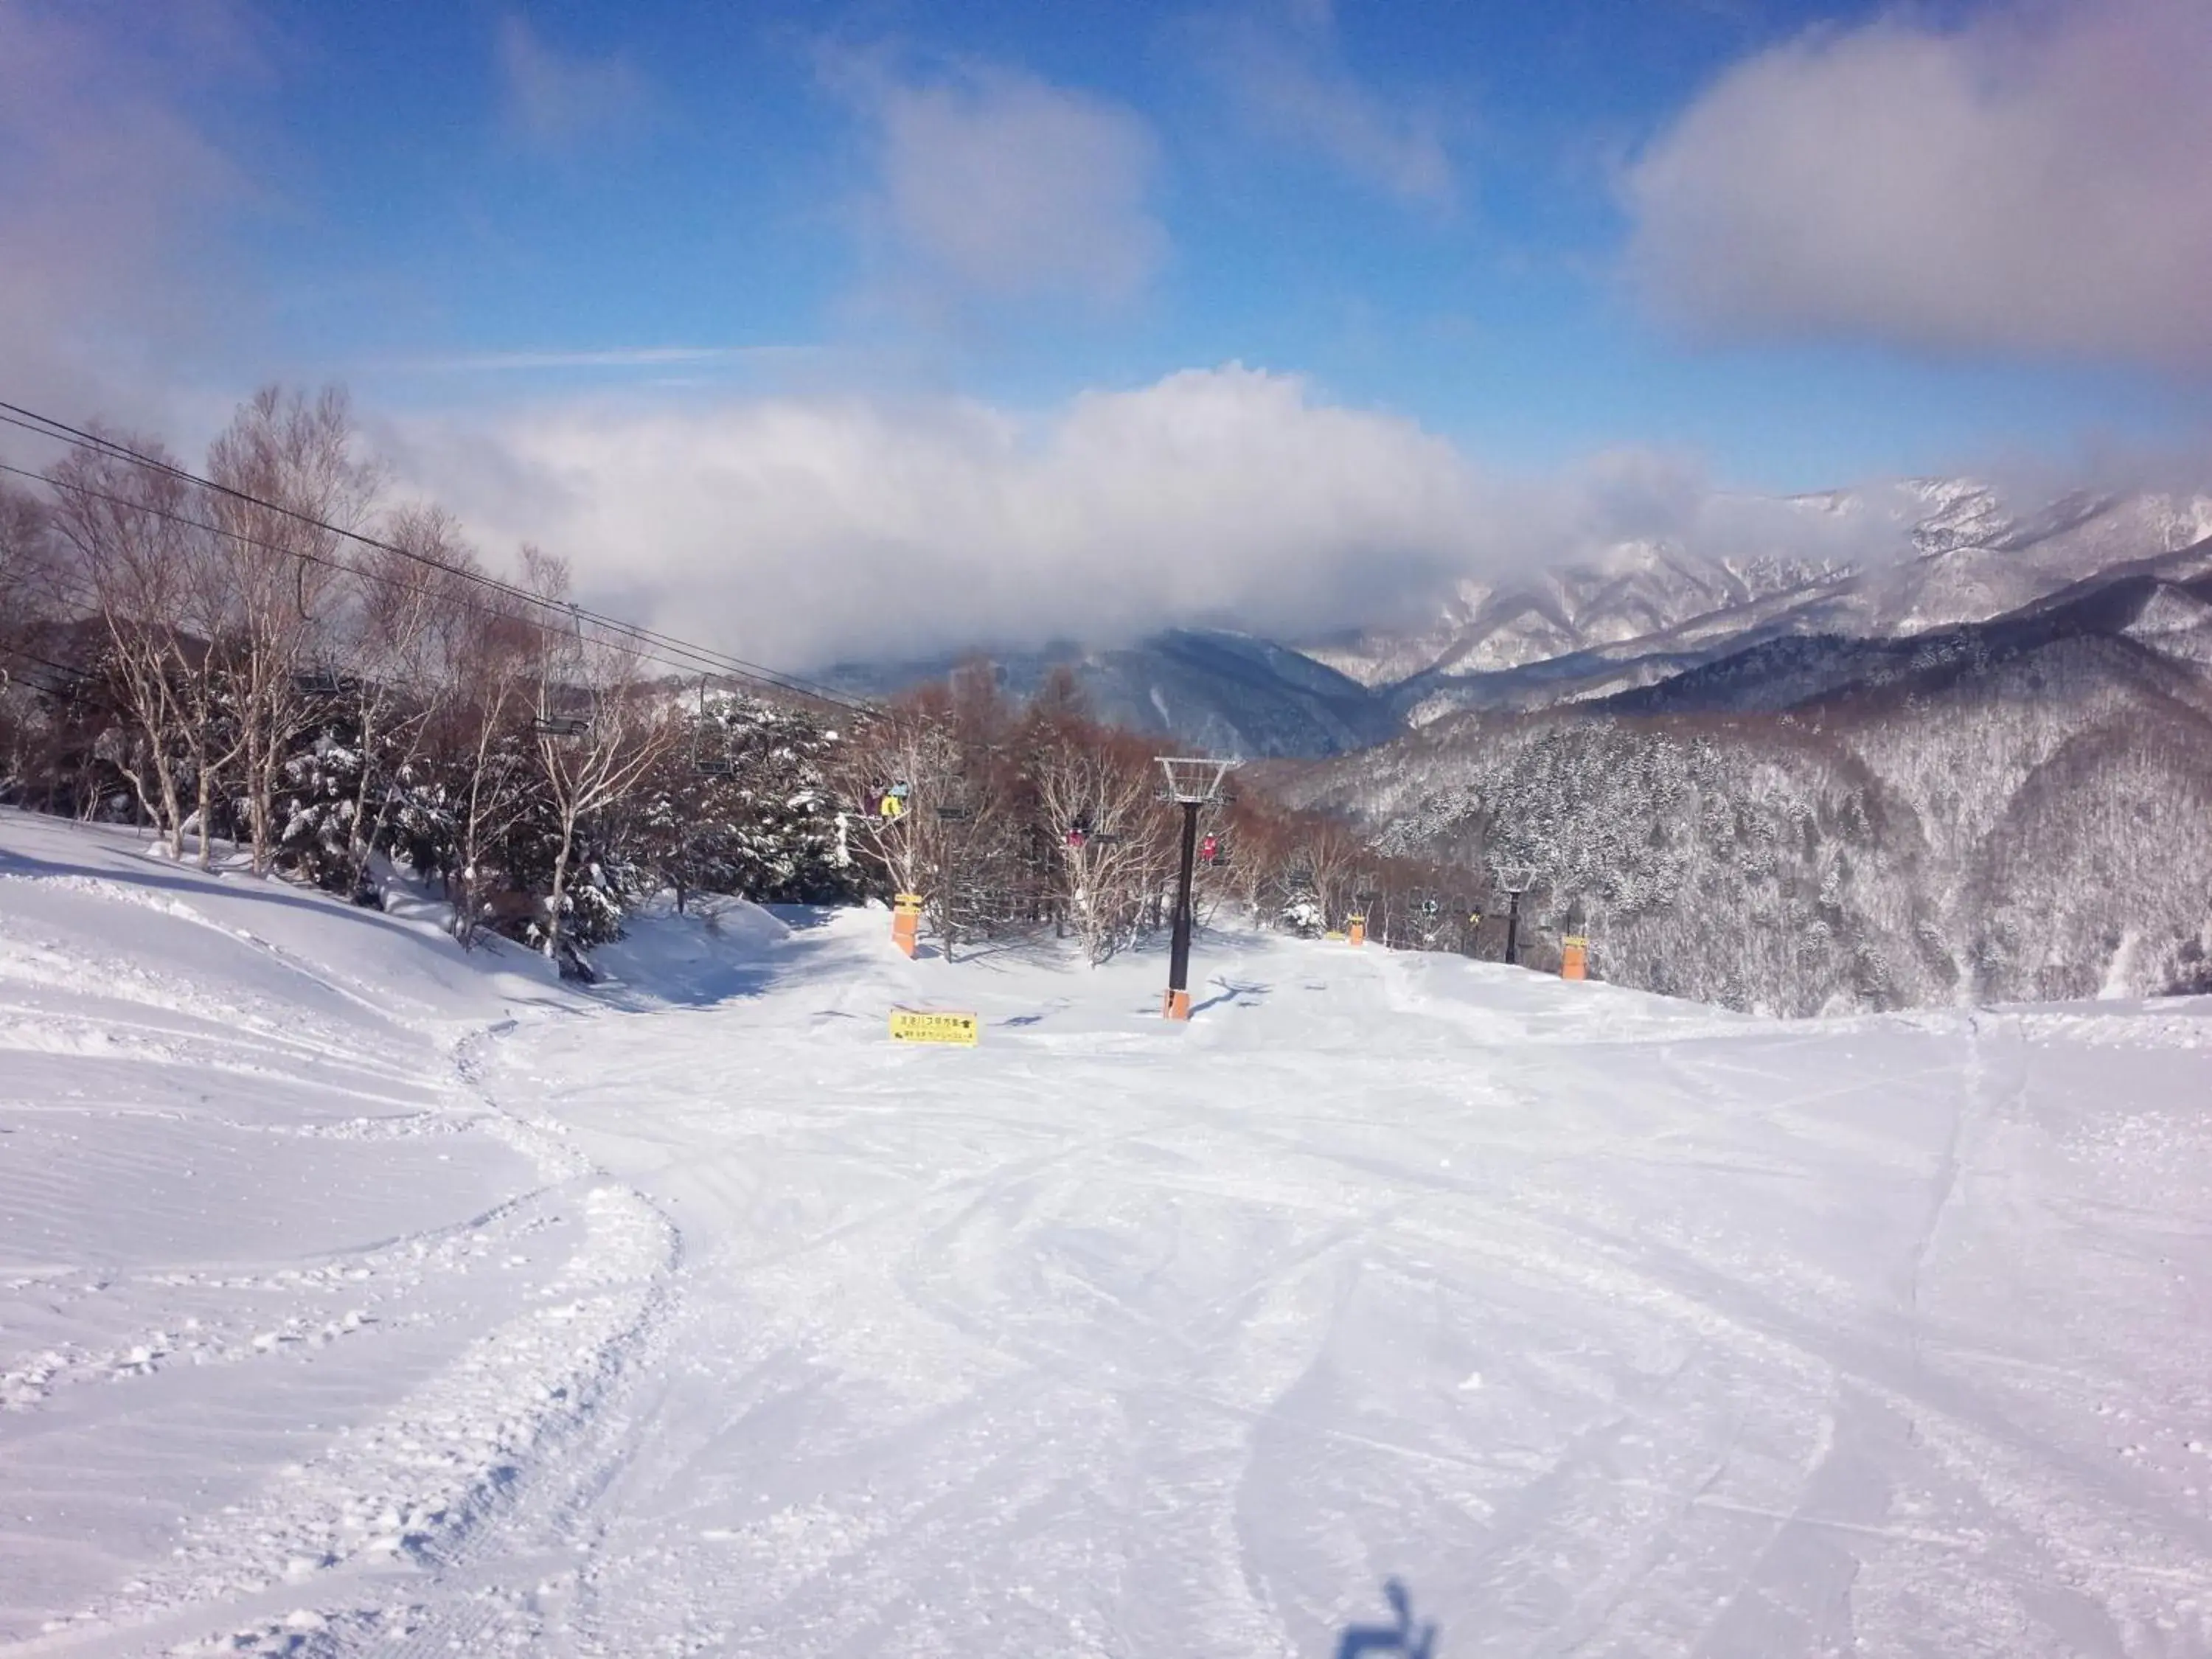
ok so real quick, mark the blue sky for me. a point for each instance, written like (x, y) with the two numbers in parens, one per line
(1785, 246)
(703, 183)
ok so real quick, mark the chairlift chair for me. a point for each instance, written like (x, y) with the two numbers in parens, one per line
(315, 683)
(549, 722)
(709, 760)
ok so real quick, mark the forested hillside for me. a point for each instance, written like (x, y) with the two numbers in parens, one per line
(2018, 811)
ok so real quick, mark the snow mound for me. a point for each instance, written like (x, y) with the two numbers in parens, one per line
(716, 948)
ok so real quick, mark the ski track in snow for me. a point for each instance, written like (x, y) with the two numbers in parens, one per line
(710, 1323)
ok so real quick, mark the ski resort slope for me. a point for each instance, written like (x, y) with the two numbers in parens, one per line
(357, 1295)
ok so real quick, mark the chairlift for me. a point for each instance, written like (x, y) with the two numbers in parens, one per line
(1209, 850)
(549, 721)
(953, 814)
(709, 760)
(315, 683)
(1077, 836)
(891, 803)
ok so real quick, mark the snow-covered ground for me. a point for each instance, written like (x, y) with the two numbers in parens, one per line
(358, 1295)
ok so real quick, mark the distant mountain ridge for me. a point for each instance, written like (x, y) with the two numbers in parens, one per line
(1642, 614)
(1224, 692)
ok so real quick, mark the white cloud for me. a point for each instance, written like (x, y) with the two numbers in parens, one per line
(794, 531)
(997, 186)
(552, 101)
(112, 194)
(2038, 182)
(1292, 85)
(611, 357)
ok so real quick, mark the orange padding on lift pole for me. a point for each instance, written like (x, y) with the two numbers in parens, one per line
(1177, 1006)
(1574, 958)
(906, 921)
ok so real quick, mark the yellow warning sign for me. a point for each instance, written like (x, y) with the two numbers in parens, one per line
(917, 1025)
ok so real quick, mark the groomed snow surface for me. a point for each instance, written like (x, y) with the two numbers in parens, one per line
(358, 1295)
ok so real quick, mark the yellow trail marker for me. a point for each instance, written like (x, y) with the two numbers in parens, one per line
(918, 1026)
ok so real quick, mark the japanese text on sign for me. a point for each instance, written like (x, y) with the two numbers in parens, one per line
(914, 1025)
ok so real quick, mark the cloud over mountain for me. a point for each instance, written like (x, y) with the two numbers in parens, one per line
(796, 530)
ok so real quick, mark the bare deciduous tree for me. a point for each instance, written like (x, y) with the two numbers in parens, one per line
(1097, 793)
(601, 729)
(136, 536)
(27, 565)
(894, 772)
(485, 729)
(404, 622)
(290, 489)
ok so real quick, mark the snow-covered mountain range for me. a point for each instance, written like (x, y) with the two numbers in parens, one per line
(1926, 554)
(1942, 552)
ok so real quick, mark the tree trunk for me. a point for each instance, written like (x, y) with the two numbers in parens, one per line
(560, 889)
(206, 814)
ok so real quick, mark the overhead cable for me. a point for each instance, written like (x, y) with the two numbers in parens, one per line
(649, 644)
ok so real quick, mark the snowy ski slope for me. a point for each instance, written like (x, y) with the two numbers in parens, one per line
(360, 1296)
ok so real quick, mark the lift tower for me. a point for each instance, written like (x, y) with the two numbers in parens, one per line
(1192, 785)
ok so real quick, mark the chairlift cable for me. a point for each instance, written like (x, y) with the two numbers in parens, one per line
(637, 638)
(61, 431)
(476, 607)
